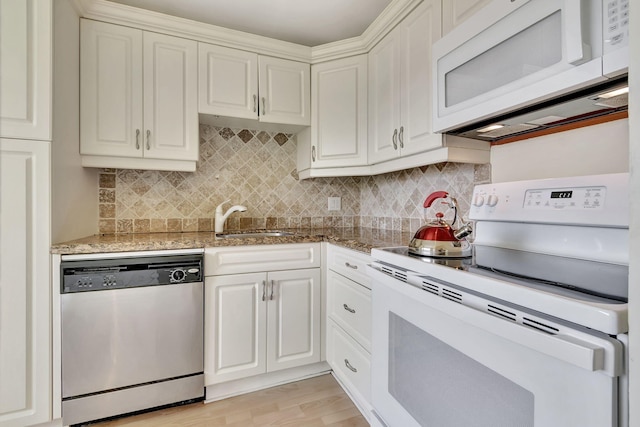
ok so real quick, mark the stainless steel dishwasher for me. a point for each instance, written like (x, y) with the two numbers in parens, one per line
(132, 334)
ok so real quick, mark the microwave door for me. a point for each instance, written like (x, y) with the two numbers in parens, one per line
(500, 63)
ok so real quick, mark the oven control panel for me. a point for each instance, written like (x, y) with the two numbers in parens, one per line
(599, 200)
(566, 198)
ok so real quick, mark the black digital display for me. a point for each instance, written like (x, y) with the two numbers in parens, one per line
(561, 194)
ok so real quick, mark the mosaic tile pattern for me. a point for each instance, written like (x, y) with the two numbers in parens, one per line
(258, 169)
(395, 200)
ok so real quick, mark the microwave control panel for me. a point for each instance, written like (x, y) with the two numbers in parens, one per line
(615, 15)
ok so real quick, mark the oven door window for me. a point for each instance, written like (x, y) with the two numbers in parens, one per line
(452, 388)
(436, 362)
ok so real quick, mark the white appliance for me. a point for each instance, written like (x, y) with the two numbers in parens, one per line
(516, 53)
(530, 331)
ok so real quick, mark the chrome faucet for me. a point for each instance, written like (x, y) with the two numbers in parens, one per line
(221, 218)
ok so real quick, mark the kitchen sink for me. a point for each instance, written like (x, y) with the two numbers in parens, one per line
(253, 235)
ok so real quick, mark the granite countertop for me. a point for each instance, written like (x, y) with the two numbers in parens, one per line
(358, 238)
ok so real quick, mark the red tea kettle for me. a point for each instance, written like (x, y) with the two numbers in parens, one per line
(439, 238)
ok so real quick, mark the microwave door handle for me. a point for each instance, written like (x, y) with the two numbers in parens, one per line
(575, 49)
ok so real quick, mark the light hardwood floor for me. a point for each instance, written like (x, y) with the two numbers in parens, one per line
(315, 402)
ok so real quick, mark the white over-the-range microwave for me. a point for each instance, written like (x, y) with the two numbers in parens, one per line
(514, 54)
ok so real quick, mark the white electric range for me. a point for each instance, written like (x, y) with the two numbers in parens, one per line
(530, 331)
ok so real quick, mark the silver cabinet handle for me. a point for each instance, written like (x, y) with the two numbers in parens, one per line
(255, 103)
(137, 139)
(400, 137)
(264, 290)
(313, 153)
(272, 286)
(264, 106)
(355, 267)
(348, 365)
(148, 137)
(395, 139)
(349, 309)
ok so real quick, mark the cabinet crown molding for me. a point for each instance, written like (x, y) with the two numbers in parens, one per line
(107, 11)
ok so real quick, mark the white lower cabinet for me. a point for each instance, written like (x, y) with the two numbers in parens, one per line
(351, 364)
(261, 321)
(25, 292)
(349, 323)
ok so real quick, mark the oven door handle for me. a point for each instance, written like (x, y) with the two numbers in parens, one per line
(583, 354)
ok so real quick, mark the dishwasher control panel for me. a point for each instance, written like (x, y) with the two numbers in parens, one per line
(120, 273)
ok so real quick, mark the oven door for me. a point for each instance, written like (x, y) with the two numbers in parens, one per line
(436, 362)
(513, 53)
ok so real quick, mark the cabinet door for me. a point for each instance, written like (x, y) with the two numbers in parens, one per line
(25, 312)
(339, 113)
(285, 89)
(384, 98)
(418, 32)
(349, 305)
(454, 12)
(25, 69)
(228, 82)
(170, 97)
(235, 327)
(110, 90)
(294, 318)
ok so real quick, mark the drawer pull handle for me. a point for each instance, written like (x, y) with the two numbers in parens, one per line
(348, 365)
(349, 309)
(264, 290)
(271, 296)
(355, 267)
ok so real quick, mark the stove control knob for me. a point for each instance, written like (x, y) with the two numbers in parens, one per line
(492, 200)
(478, 200)
(178, 275)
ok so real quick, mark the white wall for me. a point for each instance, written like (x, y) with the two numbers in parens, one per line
(74, 189)
(590, 150)
(634, 251)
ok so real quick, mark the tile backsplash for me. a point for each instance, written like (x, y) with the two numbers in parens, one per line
(258, 169)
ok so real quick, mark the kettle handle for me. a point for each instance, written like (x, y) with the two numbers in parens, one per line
(433, 196)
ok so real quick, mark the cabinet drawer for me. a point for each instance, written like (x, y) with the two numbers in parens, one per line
(349, 263)
(349, 305)
(251, 259)
(350, 362)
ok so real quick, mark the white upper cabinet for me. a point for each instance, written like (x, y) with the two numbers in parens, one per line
(138, 99)
(228, 82)
(25, 69)
(170, 97)
(400, 95)
(238, 84)
(284, 91)
(339, 113)
(111, 90)
(454, 12)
